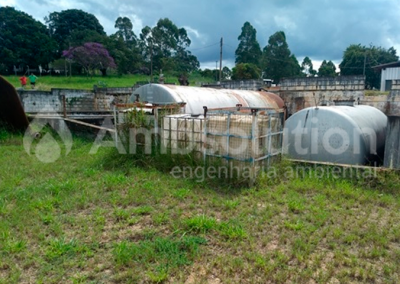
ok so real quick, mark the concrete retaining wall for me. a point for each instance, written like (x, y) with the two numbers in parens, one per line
(299, 93)
(250, 85)
(71, 100)
(392, 143)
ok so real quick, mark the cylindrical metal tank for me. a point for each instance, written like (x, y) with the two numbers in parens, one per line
(392, 145)
(352, 135)
(197, 97)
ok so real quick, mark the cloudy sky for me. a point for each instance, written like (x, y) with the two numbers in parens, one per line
(319, 29)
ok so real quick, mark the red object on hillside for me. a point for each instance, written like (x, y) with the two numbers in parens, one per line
(23, 80)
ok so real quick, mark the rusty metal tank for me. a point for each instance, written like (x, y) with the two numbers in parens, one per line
(352, 135)
(197, 97)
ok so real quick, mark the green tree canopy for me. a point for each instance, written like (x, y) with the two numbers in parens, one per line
(226, 73)
(62, 24)
(125, 31)
(23, 41)
(123, 46)
(79, 37)
(359, 60)
(327, 69)
(245, 71)
(165, 41)
(278, 62)
(307, 68)
(185, 61)
(249, 50)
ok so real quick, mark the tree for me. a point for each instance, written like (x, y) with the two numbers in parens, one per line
(123, 46)
(23, 41)
(245, 71)
(278, 62)
(62, 24)
(165, 40)
(293, 68)
(226, 73)
(79, 37)
(128, 59)
(185, 61)
(208, 73)
(124, 26)
(91, 56)
(327, 69)
(359, 60)
(307, 68)
(249, 50)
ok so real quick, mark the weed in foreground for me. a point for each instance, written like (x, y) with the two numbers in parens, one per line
(159, 256)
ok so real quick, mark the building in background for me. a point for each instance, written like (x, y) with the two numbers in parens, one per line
(389, 72)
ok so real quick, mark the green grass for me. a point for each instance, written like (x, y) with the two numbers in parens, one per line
(110, 218)
(159, 256)
(46, 83)
(371, 93)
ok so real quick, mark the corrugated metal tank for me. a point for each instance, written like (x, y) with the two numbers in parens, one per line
(197, 97)
(352, 135)
(392, 145)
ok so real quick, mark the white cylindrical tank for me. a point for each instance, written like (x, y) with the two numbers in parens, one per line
(197, 97)
(352, 135)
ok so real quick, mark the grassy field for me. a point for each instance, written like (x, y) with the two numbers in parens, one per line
(111, 218)
(45, 83)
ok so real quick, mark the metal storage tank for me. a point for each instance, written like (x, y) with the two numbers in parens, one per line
(352, 135)
(197, 97)
(392, 145)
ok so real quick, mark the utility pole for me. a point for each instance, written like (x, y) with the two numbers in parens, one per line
(365, 62)
(220, 60)
(216, 71)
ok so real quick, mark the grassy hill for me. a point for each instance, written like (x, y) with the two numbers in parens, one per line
(83, 82)
(102, 217)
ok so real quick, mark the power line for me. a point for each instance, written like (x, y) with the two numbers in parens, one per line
(229, 46)
(204, 47)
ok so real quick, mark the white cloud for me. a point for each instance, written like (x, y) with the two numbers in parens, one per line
(137, 24)
(10, 3)
(131, 11)
(107, 24)
(285, 23)
(192, 31)
(67, 4)
(212, 65)
(199, 38)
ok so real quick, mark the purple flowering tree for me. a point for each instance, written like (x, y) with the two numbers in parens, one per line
(91, 56)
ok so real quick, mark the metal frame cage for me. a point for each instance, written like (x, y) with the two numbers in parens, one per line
(130, 119)
(242, 136)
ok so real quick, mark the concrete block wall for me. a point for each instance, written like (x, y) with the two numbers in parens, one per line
(379, 102)
(396, 85)
(113, 91)
(395, 88)
(341, 83)
(243, 84)
(250, 85)
(40, 101)
(299, 93)
(35, 101)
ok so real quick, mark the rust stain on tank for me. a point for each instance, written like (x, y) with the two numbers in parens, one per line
(271, 96)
